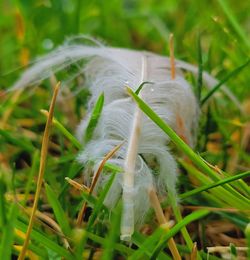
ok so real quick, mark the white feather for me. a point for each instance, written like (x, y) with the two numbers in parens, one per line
(110, 70)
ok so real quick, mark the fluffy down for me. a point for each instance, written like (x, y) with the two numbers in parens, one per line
(110, 70)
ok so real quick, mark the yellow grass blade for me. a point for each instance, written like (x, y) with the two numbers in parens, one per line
(44, 151)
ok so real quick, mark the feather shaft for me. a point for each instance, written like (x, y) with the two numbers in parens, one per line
(127, 224)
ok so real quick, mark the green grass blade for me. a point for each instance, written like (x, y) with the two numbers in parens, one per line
(232, 19)
(45, 241)
(39, 251)
(231, 197)
(215, 184)
(58, 210)
(174, 230)
(113, 235)
(240, 221)
(223, 81)
(22, 142)
(197, 160)
(233, 251)
(35, 165)
(173, 136)
(99, 204)
(96, 113)
(200, 69)
(3, 217)
(141, 86)
(63, 130)
(7, 235)
(247, 232)
(148, 243)
(160, 237)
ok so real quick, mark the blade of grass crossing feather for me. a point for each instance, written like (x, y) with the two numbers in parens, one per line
(44, 240)
(223, 81)
(7, 235)
(174, 230)
(98, 206)
(197, 160)
(100, 201)
(173, 136)
(95, 179)
(44, 151)
(113, 235)
(213, 185)
(141, 86)
(58, 211)
(63, 130)
(97, 110)
(231, 17)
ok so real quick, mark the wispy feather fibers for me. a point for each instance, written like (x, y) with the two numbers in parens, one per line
(145, 156)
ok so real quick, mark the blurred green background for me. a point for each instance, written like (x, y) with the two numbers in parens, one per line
(29, 28)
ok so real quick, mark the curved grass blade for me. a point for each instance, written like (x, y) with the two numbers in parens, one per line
(173, 136)
(113, 235)
(181, 145)
(22, 142)
(98, 206)
(45, 241)
(223, 81)
(159, 238)
(63, 130)
(174, 230)
(7, 235)
(3, 217)
(141, 86)
(34, 167)
(39, 251)
(215, 184)
(97, 110)
(58, 211)
(247, 232)
(237, 27)
(148, 243)
(200, 69)
(100, 201)
(231, 197)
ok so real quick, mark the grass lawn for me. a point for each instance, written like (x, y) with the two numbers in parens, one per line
(38, 153)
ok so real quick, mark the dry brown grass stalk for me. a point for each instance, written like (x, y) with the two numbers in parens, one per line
(44, 151)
